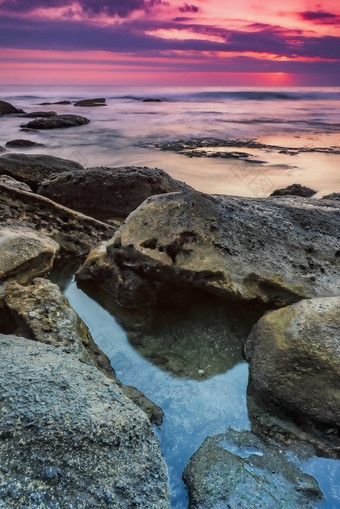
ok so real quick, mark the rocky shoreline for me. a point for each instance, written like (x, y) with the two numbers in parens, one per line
(138, 237)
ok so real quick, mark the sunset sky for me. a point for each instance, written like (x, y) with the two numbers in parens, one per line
(159, 42)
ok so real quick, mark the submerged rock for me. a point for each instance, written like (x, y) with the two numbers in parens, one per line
(295, 190)
(91, 102)
(237, 469)
(69, 436)
(57, 122)
(33, 168)
(107, 193)
(7, 108)
(57, 102)
(275, 250)
(38, 114)
(23, 144)
(152, 100)
(75, 233)
(294, 356)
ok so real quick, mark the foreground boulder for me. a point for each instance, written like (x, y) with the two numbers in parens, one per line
(75, 233)
(33, 168)
(275, 250)
(294, 356)
(69, 436)
(236, 470)
(57, 122)
(107, 193)
(7, 108)
(295, 190)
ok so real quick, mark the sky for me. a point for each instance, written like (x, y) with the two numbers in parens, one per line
(170, 42)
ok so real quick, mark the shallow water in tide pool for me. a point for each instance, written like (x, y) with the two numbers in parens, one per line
(188, 360)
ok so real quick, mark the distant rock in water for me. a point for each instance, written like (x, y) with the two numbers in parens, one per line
(23, 143)
(57, 122)
(34, 168)
(152, 100)
(238, 470)
(295, 190)
(7, 108)
(57, 102)
(333, 196)
(91, 102)
(107, 193)
(38, 114)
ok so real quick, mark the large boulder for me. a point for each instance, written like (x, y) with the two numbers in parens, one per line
(294, 356)
(57, 122)
(69, 436)
(75, 233)
(274, 250)
(7, 108)
(238, 470)
(108, 192)
(34, 168)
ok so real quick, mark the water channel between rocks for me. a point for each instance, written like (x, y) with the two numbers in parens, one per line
(187, 358)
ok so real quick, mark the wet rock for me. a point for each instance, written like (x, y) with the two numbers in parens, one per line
(34, 168)
(75, 233)
(23, 144)
(294, 356)
(295, 190)
(42, 313)
(57, 122)
(15, 184)
(2, 149)
(108, 192)
(7, 108)
(237, 469)
(333, 196)
(69, 436)
(275, 250)
(57, 102)
(24, 254)
(152, 100)
(39, 114)
(91, 102)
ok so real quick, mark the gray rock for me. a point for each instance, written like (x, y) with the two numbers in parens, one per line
(11, 182)
(108, 192)
(23, 144)
(75, 233)
(7, 108)
(57, 122)
(238, 470)
(34, 168)
(332, 196)
(69, 436)
(274, 250)
(295, 190)
(38, 114)
(294, 356)
(91, 102)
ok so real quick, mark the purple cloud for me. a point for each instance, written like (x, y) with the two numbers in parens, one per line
(318, 16)
(188, 8)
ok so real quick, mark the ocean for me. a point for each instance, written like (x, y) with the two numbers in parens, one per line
(290, 135)
(125, 132)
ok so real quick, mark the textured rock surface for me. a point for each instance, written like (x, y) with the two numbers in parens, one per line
(108, 192)
(294, 356)
(33, 168)
(6, 180)
(57, 122)
(7, 108)
(70, 438)
(237, 470)
(274, 250)
(75, 233)
(333, 196)
(295, 190)
(25, 254)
